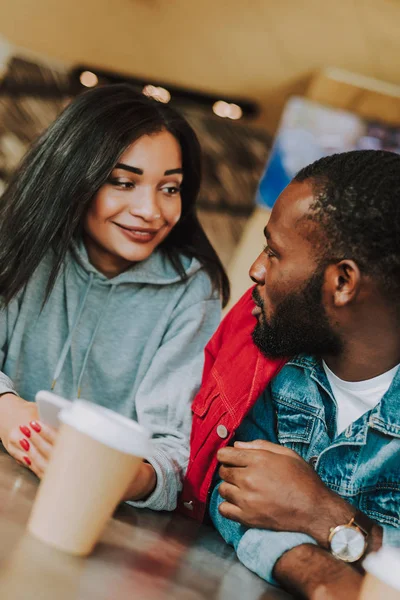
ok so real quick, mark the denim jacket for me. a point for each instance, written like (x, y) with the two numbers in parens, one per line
(362, 464)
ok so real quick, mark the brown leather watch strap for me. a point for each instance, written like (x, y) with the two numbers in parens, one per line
(363, 522)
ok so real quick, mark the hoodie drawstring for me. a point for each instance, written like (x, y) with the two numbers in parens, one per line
(68, 341)
(110, 293)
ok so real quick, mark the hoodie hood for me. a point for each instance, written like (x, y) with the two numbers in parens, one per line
(155, 270)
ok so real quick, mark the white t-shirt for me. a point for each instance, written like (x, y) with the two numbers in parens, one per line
(354, 398)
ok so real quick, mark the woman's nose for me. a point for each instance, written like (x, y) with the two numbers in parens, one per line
(145, 205)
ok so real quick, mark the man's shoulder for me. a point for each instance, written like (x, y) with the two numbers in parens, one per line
(299, 381)
(234, 362)
(233, 339)
(308, 362)
(303, 367)
(240, 313)
(235, 328)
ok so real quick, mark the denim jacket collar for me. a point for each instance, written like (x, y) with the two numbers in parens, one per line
(384, 417)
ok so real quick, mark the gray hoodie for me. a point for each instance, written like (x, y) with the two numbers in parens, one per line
(133, 343)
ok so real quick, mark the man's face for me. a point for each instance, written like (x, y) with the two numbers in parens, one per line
(289, 296)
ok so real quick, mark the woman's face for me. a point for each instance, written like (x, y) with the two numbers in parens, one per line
(134, 211)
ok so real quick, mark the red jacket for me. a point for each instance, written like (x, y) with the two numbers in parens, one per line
(235, 373)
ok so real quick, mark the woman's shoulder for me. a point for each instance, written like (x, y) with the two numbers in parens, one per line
(45, 268)
(34, 290)
(159, 270)
(199, 284)
(198, 290)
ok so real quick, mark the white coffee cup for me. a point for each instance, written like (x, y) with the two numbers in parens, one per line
(96, 455)
(382, 579)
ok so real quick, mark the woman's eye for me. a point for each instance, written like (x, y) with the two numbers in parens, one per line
(171, 190)
(268, 251)
(122, 184)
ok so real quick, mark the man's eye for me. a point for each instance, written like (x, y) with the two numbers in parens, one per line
(268, 251)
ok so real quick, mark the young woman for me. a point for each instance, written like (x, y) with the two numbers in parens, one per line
(110, 289)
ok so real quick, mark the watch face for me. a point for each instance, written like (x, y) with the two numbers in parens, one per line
(347, 543)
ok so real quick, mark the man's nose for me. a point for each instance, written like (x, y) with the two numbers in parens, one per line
(258, 270)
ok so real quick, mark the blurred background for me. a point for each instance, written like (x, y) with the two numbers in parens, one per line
(268, 86)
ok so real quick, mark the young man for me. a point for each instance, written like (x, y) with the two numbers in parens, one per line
(312, 482)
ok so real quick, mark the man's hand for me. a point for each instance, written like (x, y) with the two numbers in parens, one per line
(310, 572)
(23, 436)
(271, 487)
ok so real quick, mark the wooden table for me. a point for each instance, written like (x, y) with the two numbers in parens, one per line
(142, 555)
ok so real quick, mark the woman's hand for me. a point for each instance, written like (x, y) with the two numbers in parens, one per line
(26, 439)
(143, 484)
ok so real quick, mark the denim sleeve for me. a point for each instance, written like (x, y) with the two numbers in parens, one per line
(257, 549)
(391, 536)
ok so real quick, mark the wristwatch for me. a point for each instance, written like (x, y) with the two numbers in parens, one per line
(349, 542)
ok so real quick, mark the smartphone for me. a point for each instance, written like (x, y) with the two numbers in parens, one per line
(49, 406)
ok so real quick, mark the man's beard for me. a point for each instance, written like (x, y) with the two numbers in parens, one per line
(299, 324)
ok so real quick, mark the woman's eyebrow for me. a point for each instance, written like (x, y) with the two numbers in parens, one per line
(174, 172)
(138, 171)
(135, 170)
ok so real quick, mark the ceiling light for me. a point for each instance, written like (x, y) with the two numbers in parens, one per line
(84, 76)
(158, 93)
(88, 79)
(221, 108)
(226, 110)
(235, 112)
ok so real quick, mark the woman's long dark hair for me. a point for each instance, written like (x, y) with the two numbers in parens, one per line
(45, 203)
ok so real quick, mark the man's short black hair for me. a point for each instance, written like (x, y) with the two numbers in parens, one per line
(357, 204)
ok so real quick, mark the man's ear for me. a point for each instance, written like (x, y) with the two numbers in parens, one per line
(343, 281)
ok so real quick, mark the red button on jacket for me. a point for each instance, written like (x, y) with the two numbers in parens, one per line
(235, 373)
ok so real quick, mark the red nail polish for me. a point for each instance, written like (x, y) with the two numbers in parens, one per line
(25, 430)
(24, 444)
(35, 426)
(27, 460)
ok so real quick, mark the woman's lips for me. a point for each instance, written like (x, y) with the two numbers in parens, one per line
(138, 235)
(256, 311)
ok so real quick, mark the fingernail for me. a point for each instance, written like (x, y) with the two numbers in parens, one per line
(27, 460)
(24, 444)
(35, 425)
(25, 430)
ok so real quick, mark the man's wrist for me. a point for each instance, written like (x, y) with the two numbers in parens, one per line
(302, 569)
(375, 538)
(331, 512)
(336, 511)
(307, 570)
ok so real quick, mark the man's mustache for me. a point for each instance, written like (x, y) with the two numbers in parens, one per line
(257, 298)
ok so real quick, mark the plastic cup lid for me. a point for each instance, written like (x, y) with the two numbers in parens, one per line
(385, 565)
(108, 428)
